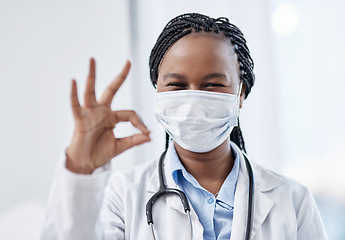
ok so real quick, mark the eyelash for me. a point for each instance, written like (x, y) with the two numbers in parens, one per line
(181, 85)
(214, 85)
(176, 84)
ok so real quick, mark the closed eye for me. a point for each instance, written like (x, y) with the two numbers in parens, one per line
(176, 84)
(214, 85)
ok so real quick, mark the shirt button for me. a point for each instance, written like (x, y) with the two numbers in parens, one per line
(210, 200)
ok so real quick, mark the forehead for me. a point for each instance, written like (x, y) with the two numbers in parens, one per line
(202, 50)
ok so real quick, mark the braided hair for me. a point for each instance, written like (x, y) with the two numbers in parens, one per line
(188, 23)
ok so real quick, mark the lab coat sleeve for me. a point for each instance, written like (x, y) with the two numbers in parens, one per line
(74, 205)
(309, 222)
(112, 213)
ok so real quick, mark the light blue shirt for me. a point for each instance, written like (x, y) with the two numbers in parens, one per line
(215, 214)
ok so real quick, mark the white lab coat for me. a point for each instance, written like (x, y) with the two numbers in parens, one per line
(80, 209)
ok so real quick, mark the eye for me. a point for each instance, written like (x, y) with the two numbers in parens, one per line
(213, 85)
(176, 84)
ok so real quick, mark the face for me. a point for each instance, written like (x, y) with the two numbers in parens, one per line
(200, 61)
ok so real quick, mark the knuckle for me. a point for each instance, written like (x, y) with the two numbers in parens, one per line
(111, 89)
(92, 93)
(123, 74)
(116, 117)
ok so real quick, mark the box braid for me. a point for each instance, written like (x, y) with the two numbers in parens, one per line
(188, 23)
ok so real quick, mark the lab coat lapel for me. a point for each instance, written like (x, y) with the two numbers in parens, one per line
(262, 207)
(153, 183)
(263, 182)
(239, 223)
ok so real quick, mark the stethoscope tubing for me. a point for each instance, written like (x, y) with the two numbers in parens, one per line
(164, 190)
(250, 197)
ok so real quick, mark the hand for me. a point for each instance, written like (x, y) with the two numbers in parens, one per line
(94, 143)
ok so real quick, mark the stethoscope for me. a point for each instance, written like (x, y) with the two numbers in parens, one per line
(164, 190)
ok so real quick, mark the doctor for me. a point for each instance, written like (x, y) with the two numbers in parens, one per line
(203, 72)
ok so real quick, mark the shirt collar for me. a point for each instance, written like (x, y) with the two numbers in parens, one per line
(177, 168)
(227, 191)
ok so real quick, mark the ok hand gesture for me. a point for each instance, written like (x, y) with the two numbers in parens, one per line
(94, 143)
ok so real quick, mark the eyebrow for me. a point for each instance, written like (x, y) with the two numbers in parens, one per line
(214, 75)
(173, 75)
(206, 77)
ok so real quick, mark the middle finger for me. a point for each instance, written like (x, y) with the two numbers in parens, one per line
(110, 91)
(89, 95)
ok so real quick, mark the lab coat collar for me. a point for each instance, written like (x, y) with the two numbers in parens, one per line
(153, 187)
(264, 181)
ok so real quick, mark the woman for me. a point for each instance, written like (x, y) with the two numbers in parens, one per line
(203, 72)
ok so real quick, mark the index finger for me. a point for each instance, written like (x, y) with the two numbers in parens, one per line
(113, 87)
(76, 108)
(132, 116)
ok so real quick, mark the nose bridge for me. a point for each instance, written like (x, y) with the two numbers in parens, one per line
(194, 80)
(194, 85)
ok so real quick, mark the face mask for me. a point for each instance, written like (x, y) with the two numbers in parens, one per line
(198, 121)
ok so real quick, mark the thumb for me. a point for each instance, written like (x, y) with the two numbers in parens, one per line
(123, 144)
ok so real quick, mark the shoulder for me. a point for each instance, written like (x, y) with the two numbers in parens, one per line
(292, 200)
(282, 188)
(269, 180)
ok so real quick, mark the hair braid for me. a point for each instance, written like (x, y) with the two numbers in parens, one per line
(237, 137)
(188, 23)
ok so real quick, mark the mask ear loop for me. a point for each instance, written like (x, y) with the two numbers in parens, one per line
(239, 96)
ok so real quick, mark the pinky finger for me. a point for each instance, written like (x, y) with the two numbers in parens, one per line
(76, 108)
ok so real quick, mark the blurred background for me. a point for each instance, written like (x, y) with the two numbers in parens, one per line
(293, 121)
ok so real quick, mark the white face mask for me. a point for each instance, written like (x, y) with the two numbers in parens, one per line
(198, 121)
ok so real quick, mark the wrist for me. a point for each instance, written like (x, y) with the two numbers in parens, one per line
(75, 167)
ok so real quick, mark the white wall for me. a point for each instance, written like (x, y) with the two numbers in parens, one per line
(43, 45)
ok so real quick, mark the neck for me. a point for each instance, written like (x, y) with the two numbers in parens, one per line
(210, 169)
